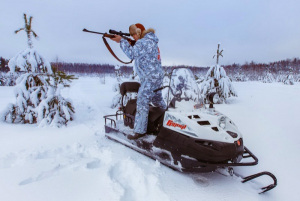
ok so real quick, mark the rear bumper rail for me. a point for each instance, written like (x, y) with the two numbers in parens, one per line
(113, 118)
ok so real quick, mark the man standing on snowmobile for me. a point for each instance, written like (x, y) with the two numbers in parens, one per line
(148, 67)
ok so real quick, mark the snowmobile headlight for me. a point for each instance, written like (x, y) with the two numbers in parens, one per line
(222, 122)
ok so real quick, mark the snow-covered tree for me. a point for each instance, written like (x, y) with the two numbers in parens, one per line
(298, 78)
(280, 77)
(2, 62)
(8, 79)
(116, 101)
(289, 79)
(240, 77)
(38, 98)
(166, 82)
(55, 110)
(183, 83)
(268, 78)
(217, 81)
(2, 80)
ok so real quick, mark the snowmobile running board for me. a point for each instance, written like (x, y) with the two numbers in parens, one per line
(175, 163)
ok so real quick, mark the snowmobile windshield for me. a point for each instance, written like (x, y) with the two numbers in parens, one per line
(183, 88)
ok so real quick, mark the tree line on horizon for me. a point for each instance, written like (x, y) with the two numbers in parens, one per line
(253, 71)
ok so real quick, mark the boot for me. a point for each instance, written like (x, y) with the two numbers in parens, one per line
(135, 136)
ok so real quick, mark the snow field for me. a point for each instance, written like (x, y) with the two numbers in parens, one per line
(78, 163)
(44, 167)
(268, 117)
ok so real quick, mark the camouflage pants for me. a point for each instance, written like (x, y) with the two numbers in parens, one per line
(145, 96)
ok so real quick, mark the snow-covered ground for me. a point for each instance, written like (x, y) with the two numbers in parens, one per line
(77, 163)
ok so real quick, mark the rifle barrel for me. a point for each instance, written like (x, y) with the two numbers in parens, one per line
(85, 30)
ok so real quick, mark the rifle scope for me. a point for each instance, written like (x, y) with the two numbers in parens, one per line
(118, 33)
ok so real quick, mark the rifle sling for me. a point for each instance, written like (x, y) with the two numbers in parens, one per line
(111, 51)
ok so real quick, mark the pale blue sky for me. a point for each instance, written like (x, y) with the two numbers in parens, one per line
(189, 31)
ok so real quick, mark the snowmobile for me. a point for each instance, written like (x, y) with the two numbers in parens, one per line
(187, 136)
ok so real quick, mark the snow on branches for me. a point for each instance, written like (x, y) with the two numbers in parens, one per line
(217, 81)
(29, 61)
(117, 99)
(268, 78)
(289, 79)
(38, 100)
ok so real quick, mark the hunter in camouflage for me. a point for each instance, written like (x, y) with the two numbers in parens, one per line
(147, 65)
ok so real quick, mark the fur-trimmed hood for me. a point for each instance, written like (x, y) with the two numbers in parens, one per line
(150, 34)
(146, 55)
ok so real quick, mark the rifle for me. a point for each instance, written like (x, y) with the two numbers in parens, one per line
(111, 35)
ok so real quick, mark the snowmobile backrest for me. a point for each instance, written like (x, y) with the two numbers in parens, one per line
(129, 87)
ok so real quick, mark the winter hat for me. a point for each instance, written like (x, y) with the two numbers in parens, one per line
(136, 29)
(141, 27)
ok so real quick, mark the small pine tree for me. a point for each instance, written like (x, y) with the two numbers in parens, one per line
(217, 81)
(240, 75)
(116, 102)
(54, 109)
(289, 79)
(38, 98)
(268, 78)
(2, 61)
(166, 82)
(8, 79)
(2, 80)
(280, 77)
(298, 78)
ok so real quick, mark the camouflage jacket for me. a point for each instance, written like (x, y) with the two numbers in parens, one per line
(146, 55)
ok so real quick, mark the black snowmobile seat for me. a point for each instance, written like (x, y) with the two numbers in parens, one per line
(154, 112)
(127, 87)
(130, 107)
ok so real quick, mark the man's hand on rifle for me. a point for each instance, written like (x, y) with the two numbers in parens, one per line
(117, 38)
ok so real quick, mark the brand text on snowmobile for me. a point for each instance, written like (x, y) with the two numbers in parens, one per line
(172, 123)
